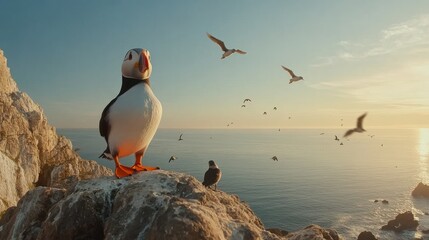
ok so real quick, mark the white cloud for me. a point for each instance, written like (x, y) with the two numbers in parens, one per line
(411, 35)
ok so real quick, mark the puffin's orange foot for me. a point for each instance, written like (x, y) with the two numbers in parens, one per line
(139, 168)
(123, 171)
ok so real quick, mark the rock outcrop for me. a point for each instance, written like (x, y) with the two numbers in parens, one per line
(421, 190)
(366, 236)
(31, 153)
(148, 205)
(403, 221)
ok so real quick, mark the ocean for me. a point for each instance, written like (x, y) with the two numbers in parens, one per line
(315, 180)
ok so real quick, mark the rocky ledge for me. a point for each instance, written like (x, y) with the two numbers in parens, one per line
(149, 205)
(31, 153)
(421, 190)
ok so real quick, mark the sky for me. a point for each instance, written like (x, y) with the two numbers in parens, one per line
(355, 57)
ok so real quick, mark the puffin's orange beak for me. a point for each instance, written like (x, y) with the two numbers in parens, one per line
(143, 63)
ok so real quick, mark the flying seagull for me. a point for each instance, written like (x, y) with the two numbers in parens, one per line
(336, 138)
(172, 158)
(294, 77)
(243, 105)
(275, 158)
(275, 108)
(265, 113)
(359, 126)
(322, 133)
(227, 51)
(212, 175)
(180, 137)
(247, 100)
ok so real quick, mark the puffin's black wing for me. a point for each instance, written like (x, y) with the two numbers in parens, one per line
(104, 125)
(211, 177)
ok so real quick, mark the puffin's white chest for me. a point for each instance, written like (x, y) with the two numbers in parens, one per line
(134, 119)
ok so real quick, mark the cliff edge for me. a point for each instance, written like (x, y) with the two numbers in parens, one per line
(31, 153)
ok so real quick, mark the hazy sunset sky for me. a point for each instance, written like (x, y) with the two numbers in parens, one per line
(355, 56)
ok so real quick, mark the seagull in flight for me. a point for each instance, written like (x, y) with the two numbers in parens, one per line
(247, 100)
(227, 51)
(336, 138)
(172, 158)
(275, 158)
(180, 138)
(265, 113)
(359, 126)
(275, 108)
(294, 77)
(243, 105)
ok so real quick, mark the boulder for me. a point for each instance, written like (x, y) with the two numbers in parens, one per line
(31, 152)
(403, 221)
(314, 232)
(366, 236)
(148, 205)
(421, 190)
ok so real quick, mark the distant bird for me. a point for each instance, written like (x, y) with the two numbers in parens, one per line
(275, 108)
(232, 123)
(247, 100)
(279, 129)
(172, 158)
(371, 136)
(227, 125)
(265, 113)
(289, 117)
(382, 145)
(180, 137)
(243, 105)
(275, 158)
(212, 175)
(227, 51)
(322, 133)
(294, 77)
(341, 144)
(336, 138)
(341, 124)
(359, 126)
(129, 122)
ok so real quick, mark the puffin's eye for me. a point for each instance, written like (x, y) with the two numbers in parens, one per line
(130, 56)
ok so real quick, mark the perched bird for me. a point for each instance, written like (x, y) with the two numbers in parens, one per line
(359, 126)
(294, 77)
(172, 158)
(275, 108)
(247, 100)
(275, 158)
(212, 175)
(264, 113)
(180, 137)
(336, 138)
(243, 105)
(129, 122)
(227, 51)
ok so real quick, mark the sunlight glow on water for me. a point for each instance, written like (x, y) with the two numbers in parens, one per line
(423, 149)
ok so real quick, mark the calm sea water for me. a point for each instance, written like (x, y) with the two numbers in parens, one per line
(315, 180)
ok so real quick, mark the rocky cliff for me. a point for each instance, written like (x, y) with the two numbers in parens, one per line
(149, 205)
(31, 153)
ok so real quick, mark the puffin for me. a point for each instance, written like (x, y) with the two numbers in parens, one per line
(129, 122)
(212, 175)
